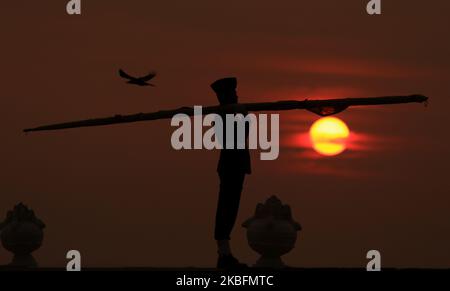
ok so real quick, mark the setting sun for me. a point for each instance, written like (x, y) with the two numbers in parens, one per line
(329, 135)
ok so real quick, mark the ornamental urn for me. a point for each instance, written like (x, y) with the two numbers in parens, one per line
(271, 232)
(22, 233)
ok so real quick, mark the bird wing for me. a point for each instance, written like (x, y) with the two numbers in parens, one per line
(148, 77)
(125, 75)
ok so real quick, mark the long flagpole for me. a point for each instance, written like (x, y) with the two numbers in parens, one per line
(321, 107)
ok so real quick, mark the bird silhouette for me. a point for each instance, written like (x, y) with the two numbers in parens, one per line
(139, 81)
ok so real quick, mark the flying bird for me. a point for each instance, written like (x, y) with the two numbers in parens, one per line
(139, 81)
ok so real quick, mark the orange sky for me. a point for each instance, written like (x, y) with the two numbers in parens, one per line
(123, 197)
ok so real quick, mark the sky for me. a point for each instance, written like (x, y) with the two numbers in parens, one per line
(123, 197)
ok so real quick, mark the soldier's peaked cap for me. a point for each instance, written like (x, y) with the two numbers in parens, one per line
(224, 84)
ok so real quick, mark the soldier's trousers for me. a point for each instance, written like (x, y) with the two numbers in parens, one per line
(228, 205)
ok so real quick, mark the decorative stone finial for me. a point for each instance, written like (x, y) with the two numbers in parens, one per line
(271, 232)
(22, 233)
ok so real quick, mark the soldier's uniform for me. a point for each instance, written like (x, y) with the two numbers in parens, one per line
(233, 165)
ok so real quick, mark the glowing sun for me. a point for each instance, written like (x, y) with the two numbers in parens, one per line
(329, 136)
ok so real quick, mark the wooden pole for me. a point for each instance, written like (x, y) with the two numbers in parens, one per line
(321, 107)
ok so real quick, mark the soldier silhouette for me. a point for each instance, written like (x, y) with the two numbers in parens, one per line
(234, 165)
